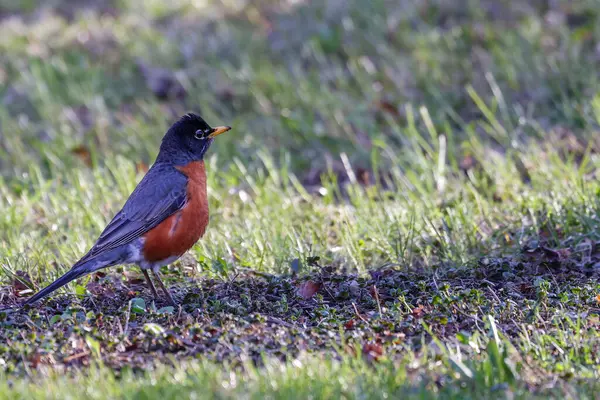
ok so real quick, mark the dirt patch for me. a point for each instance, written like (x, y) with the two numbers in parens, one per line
(249, 315)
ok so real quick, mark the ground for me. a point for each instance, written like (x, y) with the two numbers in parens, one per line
(407, 203)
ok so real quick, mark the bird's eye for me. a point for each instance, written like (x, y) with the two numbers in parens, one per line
(202, 133)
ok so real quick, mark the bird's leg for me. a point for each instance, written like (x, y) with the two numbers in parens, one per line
(150, 284)
(162, 285)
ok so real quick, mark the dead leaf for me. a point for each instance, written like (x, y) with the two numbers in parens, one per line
(418, 311)
(95, 288)
(372, 351)
(387, 107)
(84, 154)
(308, 289)
(76, 356)
(136, 280)
(35, 360)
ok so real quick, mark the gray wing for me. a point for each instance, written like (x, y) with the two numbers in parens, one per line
(161, 193)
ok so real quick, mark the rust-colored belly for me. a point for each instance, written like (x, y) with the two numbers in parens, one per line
(180, 231)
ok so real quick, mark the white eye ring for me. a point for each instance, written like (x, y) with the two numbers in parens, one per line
(202, 134)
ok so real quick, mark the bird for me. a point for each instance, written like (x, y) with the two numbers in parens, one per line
(165, 215)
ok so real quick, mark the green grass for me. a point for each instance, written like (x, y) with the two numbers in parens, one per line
(301, 379)
(433, 168)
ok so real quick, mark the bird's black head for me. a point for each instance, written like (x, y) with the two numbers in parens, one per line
(188, 139)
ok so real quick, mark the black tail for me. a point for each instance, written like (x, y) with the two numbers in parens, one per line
(80, 268)
(72, 274)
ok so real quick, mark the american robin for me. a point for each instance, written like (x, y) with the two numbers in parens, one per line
(163, 217)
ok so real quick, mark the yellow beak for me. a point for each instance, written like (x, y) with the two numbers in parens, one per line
(218, 130)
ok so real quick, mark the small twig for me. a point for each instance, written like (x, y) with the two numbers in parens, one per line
(232, 280)
(76, 356)
(237, 273)
(378, 301)
(358, 314)
(91, 300)
(495, 295)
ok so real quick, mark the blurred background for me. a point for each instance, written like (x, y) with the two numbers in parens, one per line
(81, 80)
(466, 111)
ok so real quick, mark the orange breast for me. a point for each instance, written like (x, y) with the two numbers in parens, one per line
(178, 233)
